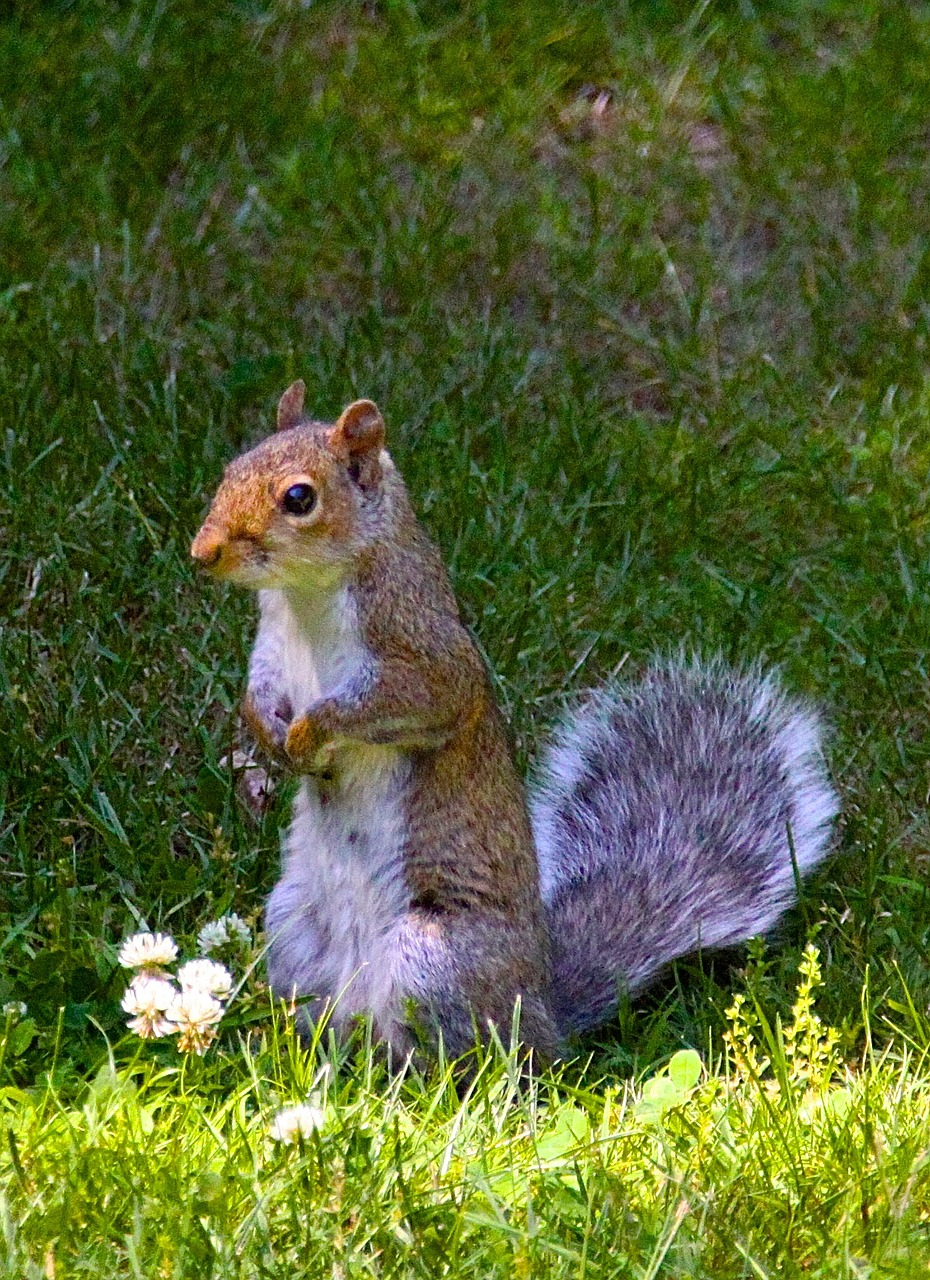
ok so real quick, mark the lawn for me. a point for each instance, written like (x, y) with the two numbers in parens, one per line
(643, 291)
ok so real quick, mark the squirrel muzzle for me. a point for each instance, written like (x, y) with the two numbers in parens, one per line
(207, 547)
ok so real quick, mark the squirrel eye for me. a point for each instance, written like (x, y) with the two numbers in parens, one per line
(299, 500)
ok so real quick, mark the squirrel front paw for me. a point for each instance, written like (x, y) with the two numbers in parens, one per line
(268, 722)
(307, 747)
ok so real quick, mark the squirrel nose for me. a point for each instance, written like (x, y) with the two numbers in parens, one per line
(207, 548)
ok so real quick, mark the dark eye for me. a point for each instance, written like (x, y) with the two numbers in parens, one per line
(299, 500)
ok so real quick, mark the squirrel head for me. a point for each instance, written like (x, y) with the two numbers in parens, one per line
(293, 511)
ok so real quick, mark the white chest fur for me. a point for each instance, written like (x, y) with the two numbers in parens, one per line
(317, 642)
(331, 916)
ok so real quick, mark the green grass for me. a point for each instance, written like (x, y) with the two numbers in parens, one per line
(654, 366)
(776, 1162)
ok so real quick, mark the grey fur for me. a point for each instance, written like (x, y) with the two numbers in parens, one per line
(670, 816)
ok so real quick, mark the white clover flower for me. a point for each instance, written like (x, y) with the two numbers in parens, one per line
(147, 951)
(237, 930)
(147, 998)
(296, 1122)
(229, 928)
(195, 1015)
(211, 937)
(15, 1009)
(206, 975)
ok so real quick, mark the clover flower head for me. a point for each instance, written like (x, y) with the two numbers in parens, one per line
(147, 951)
(194, 1014)
(237, 930)
(296, 1122)
(229, 928)
(15, 1009)
(147, 998)
(205, 975)
(211, 937)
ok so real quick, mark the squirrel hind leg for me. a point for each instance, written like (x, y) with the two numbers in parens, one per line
(457, 975)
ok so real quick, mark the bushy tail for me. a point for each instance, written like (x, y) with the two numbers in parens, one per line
(670, 816)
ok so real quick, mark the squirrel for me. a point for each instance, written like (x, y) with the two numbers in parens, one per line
(421, 886)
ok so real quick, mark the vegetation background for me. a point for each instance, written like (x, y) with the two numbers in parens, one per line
(643, 290)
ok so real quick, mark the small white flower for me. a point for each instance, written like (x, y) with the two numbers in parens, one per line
(206, 975)
(237, 930)
(229, 928)
(147, 998)
(15, 1009)
(195, 1015)
(296, 1122)
(147, 951)
(211, 937)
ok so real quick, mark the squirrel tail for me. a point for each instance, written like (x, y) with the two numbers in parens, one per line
(673, 815)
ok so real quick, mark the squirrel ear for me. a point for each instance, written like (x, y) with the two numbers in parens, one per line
(359, 428)
(291, 406)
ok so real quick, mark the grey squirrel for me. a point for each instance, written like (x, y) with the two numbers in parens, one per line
(417, 888)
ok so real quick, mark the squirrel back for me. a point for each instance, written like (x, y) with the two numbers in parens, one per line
(671, 815)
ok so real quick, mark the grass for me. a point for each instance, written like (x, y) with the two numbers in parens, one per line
(643, 293)
(813, 1171)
